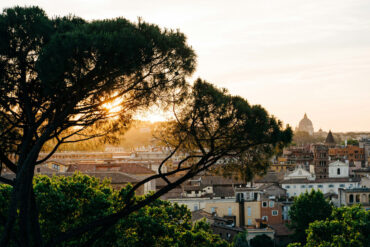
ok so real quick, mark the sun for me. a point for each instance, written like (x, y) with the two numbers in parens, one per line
(113, 107)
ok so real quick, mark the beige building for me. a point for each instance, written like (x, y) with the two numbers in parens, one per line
(224, 208)
(348, 197)
(252, 211)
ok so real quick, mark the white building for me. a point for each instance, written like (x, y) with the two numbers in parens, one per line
(295, 187)
(300, 173)
(338, 169)
(299, 181)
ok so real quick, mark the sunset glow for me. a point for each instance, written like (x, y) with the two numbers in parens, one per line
(289, 56)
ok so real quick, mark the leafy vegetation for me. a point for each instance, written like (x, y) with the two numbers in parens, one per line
(262, 241)
(240, 240)
(307, 208)
(345, 227)
(67, 202)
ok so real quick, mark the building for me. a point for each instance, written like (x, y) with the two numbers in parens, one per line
(338, 169)
(330, 142)
(320, 160)
(351, 153)
(271, 211)
(295, 187)
(300, 181)
(305, 125)
(365, 144)
(348, 197)
(298, 156)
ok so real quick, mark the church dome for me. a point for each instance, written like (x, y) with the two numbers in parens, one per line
(306, 125)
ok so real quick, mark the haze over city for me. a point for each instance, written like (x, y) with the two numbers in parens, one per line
(289, 56)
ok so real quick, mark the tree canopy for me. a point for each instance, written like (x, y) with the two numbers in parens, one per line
(57, 74)
(262, 241)
(307, 208)
(346, 226)
(66, 202)
(240, 240)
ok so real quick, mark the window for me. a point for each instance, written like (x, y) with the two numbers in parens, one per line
(265, 218)
(320, 186)
(249, 222)
(56, 167)
(287, 187)
(264, 204)
(331, 185)
(271, 204)
(310, 186)
(213, 209)
(195, 207)
(357, 198)
(303, 186)
(350, 198)
(249, 211)
(338, 171)
(229, 211)
(275, 212)
(342, 185)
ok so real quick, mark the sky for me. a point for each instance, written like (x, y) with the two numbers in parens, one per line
(290, 56)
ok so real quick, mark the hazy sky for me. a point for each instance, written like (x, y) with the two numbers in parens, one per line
(290, 56)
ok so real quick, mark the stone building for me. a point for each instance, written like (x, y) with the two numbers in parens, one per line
(348, 197)
(305, 125)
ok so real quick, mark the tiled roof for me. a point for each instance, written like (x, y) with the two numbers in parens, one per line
(281, 230)
(223, 191)
(271, 177)
(130, 168)
(200, 214)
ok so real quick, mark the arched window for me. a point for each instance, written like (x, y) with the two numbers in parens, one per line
(357, 198)
(338, 171)
(363, 198)
(350, 198)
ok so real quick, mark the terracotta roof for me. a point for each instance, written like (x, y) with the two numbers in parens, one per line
(281, 230)
(135, 169)
(200, 214)
(130, 168)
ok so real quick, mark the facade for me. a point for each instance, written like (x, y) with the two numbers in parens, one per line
(351, 153)
(365, 144)
(338, 169)
(295, 187)
(271, 211)
(348, 197)
(321, 160)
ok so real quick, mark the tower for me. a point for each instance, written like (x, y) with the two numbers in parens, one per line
(321, 160)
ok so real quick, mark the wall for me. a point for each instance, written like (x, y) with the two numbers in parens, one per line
(255, 210)
(297, 189)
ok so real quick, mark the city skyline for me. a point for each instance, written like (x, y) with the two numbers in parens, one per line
(291, 57)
